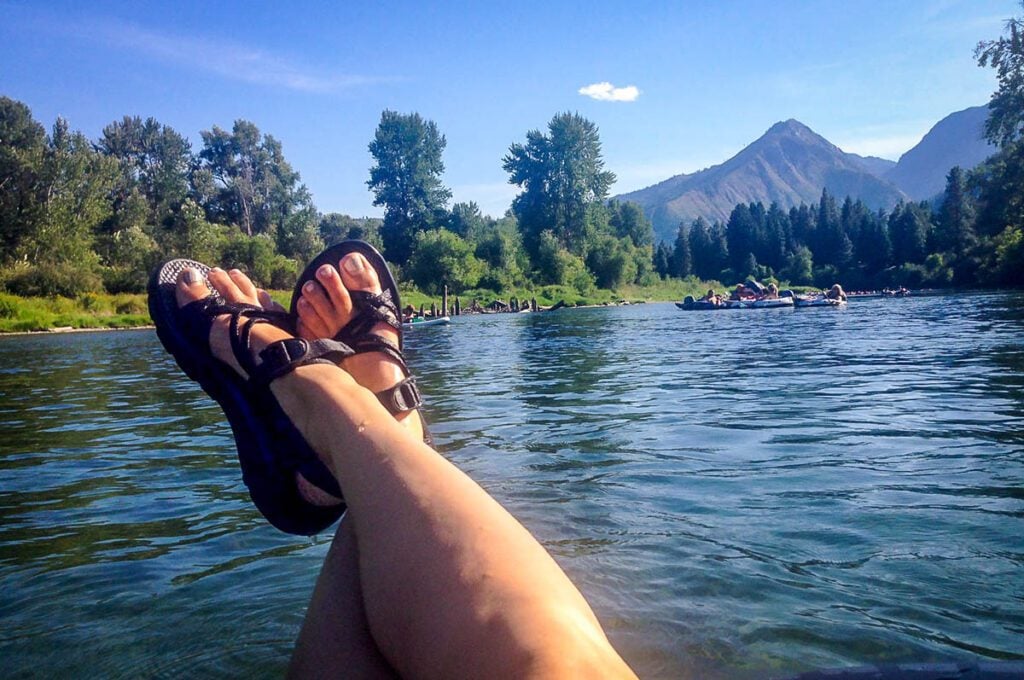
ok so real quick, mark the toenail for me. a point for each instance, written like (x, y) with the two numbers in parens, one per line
(353, 265)
(190, 276)
(326, 271)
(234, 272)
(309, 287)
(217, 269)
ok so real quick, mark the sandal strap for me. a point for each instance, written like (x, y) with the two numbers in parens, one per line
(240, 331)
(404, 396)
(377, 308)
(399, 398)
(373, 308)
(284, 356)
(375, 343)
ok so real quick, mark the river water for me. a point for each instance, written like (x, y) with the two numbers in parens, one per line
(739, 493)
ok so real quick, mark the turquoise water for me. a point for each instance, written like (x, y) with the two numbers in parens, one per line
(739, 494)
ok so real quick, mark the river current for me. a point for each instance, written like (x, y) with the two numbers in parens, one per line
(738, 493)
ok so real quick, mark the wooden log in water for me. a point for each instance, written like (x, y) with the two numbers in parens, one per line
(533, 304)
(433, 310)
(444, 301)
(458, 306)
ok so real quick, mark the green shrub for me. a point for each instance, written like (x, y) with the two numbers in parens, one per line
(131, 305)
(49, 280)
(89, 302)
(124, 280)
(8, 309)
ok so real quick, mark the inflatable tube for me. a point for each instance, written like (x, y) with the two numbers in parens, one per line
(772, 303)
(419, 322)
(818, 301)
(691, 305)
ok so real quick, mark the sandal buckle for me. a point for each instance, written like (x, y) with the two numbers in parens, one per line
(279, 354)
(404, 396)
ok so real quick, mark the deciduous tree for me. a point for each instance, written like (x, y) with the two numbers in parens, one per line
(561, 174)
(254, 188)
(1005, 123)
(406, 179)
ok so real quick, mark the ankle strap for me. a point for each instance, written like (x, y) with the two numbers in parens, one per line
(284, 356)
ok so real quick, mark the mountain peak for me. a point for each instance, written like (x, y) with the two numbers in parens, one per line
(790, 164)
(791, 126)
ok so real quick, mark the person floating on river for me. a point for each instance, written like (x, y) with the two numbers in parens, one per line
(836, 292)
(740, 292)
(427, 575)
(772, 293)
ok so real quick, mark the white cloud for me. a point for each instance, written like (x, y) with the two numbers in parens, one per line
(606, 92)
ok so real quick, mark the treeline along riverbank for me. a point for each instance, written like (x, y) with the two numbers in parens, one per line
(81, 217)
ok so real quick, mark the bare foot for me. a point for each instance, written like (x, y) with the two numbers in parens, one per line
(235, 286)
(325, 309)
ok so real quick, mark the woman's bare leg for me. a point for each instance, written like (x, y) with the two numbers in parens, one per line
(452, 584)
(323, 310)
(335, 634)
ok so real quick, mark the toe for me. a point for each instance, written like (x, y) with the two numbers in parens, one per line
(268, 302)
(357, 274)
(234, 286)
(244, 283)
(191, 286)
(222, 283)
(336, 292)
(310, 324)
(315, 296)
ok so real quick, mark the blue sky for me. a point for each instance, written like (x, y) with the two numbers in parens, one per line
(708, 77)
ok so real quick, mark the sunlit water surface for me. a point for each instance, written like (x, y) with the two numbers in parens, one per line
(739, 494)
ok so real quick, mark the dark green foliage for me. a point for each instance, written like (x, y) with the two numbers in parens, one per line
(335, 227)
(909, 225)
(156, 164)
(500, 247)
(1005, 123)
(442, 258)
(562, 174)
(799, 269)
(22, 149)
(777, 242)
(65, 279)
(680, 262)
(662, 257)
(466, 221)
(612, 261)
(554, 265)
(406, 180)
(627, 220)
(257, 257)
(253, 186)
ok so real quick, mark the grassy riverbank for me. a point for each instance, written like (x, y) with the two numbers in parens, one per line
(20, 314)
(96, 310)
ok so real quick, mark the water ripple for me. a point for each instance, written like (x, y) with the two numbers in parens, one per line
(738, 494)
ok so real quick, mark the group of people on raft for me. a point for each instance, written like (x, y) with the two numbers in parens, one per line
(751, 291)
